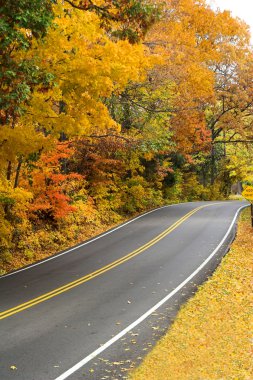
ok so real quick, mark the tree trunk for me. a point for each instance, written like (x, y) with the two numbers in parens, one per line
(212, 165)
(17, 173)
(8, 174)
(213, 158)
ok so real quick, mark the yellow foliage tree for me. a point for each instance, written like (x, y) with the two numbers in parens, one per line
(88, 67)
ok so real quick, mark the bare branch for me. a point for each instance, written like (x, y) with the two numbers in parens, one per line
(233, 141)
(103, 11)
(109, 135)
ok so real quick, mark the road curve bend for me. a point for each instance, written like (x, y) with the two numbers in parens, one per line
(58, 315)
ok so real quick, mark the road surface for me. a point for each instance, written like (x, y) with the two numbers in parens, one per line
(74, 313)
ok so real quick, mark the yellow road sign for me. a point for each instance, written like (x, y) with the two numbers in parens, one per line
(248, 193)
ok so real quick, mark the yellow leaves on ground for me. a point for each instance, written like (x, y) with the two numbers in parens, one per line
(210, 338)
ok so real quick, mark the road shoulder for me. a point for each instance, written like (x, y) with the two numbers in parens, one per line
(210, 337)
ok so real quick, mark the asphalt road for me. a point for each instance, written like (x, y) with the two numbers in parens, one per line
(66, 310)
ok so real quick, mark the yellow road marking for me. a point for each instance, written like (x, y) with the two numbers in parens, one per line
(98, 272)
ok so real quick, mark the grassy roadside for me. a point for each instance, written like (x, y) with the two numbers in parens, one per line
(210, 337)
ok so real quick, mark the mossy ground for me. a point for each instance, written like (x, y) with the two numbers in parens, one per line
(210, 338)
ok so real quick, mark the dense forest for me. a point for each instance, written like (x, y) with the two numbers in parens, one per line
(109, 108)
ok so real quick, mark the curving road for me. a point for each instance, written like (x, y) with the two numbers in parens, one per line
(58, 318)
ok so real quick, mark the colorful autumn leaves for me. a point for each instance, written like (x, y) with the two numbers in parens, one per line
(98, 122)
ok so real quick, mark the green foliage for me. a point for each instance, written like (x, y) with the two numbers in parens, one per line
(21, 21)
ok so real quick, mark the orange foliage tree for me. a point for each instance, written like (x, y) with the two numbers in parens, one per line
(51, 185)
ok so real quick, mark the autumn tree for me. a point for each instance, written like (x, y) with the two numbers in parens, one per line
(204, 52)
(86, 65)
(21, 22)
(230, 119)
(51, 185)
(116, 173)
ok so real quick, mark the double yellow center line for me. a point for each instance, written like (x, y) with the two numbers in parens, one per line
(90, 276)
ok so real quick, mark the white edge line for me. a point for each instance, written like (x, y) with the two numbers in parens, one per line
(95, 353)
(89, 241)
(83, 244)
